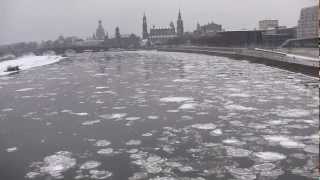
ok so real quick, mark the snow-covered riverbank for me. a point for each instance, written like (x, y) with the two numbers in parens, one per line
(27, 62)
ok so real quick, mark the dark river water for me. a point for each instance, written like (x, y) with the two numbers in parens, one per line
(158, 116)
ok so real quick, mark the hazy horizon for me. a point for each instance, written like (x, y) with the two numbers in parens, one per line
(36, 20)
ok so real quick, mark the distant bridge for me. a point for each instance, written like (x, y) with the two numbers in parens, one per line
(64, 49)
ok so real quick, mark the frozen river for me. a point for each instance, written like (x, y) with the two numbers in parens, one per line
(159, 116)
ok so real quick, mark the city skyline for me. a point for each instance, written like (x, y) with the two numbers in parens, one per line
(19, 21)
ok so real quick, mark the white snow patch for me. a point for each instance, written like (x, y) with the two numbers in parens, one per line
(28, 62)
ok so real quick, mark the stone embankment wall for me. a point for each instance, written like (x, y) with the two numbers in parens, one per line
(297, 63)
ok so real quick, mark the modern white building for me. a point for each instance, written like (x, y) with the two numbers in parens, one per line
(308, 24)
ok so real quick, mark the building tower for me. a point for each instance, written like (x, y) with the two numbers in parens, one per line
(100, 33)
(198, 26)
(117, 33)
(180, 30)
(145, 34)
(173, 29)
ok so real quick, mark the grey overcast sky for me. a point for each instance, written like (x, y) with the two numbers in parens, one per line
(36, 20)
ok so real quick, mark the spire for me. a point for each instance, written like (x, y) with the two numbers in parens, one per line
(144, 27)
(180, 29)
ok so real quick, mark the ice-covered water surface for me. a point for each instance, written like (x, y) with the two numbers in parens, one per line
(156, 115)
(27, 62)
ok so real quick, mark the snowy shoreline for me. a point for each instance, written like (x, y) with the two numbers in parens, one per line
(28, 62)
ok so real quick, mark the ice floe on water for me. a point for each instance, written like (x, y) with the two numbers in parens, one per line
(175, 99)
(24, 89)
(54, 165)
(182, 80)
(102, 143)
(216, 132)
(258, 171)
(314, 149)
(81, 114)
(241, 95)
(90, 165)
(133, 142)
(102, 87)
(147, 134)
(12, 149)
(113, 116)
(208, 126)
(132, 118)
(188, 106)
(7, 109)
(293, 113)
(264, 167)
(284, 141)
(241, 173)
(237, 152)
(100, 174)
(153, 117)
(269, 156)
(138, 176)
(107, 151)
(233, 141)
(27, 62)
(88, 123)
(234, 107)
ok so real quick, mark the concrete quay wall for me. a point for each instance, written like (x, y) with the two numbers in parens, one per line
(296, 63)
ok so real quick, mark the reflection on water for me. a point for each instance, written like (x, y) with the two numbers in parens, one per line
(156, 115)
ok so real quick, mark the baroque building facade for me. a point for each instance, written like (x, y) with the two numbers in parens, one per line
(163, 35)
(209, 29)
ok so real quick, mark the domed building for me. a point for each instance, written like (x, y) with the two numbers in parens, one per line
(100, 33)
